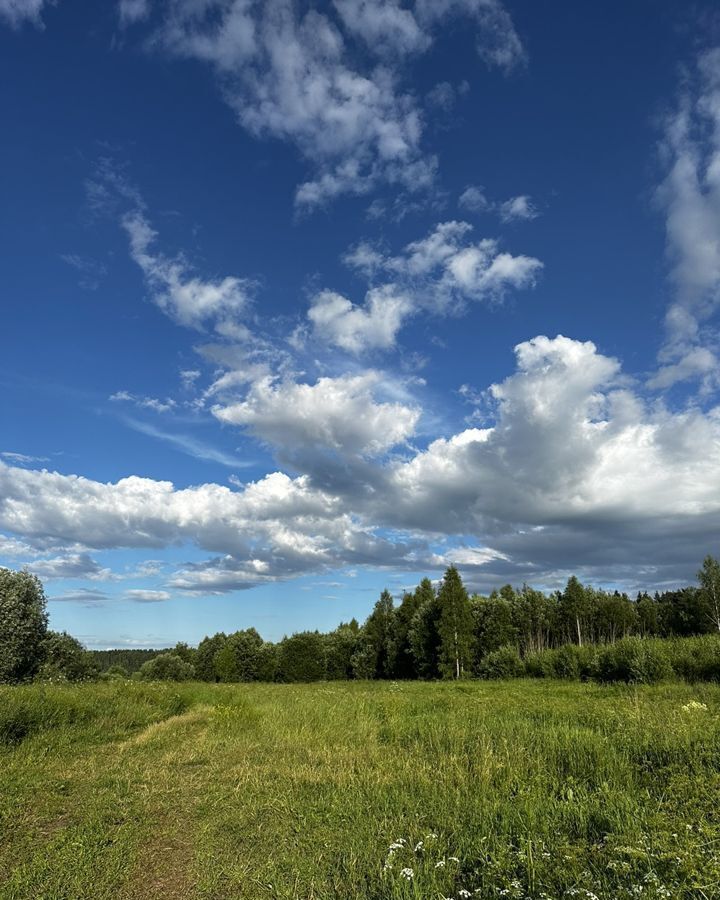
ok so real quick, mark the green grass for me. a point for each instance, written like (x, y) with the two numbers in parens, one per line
(536, 788)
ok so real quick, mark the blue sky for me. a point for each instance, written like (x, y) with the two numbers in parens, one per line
(305, 300)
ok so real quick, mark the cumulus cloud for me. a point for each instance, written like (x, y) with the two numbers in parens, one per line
(520, 208)
(16, 12)
(473, 198)
(301, 78)
(186, 298)
(690, 198)
(374, 325)
(574, 472)
(446, 268)
(336, 414)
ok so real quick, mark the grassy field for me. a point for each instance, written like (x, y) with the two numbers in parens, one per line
(503, 789)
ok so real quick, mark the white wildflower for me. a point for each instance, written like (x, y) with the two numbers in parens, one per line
(440, 864)
(407, 873)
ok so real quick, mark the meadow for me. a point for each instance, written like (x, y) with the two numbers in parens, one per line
(373, 790)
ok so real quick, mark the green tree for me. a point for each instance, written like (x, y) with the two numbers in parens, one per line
(340, 647)
(301, 657)
(455, 626)
(404, 660)
(423, 634)
(647, 615)
(205, 655)
(65, 659)
(239, 657)
(23, 625)
(574, 607)
(709, 578)
(494, 624)
(166, 667)
(380, 638)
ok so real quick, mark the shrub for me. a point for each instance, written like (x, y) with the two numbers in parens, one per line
(166, 667)
(696, 659)
(504, 662)
(636, 660)
(65, 659)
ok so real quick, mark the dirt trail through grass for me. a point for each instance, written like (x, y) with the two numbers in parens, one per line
(295, 792)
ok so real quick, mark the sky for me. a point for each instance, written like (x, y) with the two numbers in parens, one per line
(301, 301)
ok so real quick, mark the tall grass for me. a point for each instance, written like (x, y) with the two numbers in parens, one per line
(526, 789)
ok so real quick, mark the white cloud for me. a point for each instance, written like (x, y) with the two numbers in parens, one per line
(153, 403)
(436, 274)
(188, 444)
(17, 12)
(515, 209)
(300, 78)
(520, 208)
(385, 26)
(22, 459)
(187, 299)
(446, 268)
(575, 472)
(474, 199)
(132, 11)
(70, 565)
(336, 414)
(147, 596)
(690, 198)
(374, 325)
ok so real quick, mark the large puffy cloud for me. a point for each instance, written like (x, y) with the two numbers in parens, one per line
(297, 77)
(690, 198)
(575, 472)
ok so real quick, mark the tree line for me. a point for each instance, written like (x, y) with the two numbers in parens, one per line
(431, 633)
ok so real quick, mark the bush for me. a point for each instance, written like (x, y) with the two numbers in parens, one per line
(65, 659)
(166, 667)
(696, 659)
(636, 660)
(504, 662)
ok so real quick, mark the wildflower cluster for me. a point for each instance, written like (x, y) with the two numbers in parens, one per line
(422, 863)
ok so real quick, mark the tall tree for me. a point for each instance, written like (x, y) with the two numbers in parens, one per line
(573, 604)
(709, 578)
(455, 626)
(301, 657)
(23, 625)
(380, 638)
(207, 650)
(404, 614)
(423, 635)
